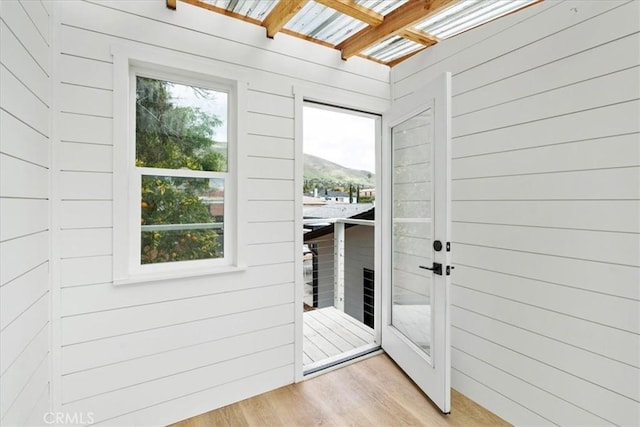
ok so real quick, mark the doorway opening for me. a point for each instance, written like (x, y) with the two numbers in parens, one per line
(339, 188)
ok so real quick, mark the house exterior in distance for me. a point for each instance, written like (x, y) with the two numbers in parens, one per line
(359, 265)
(336, 197)
(545, 189)
(368, 192)
(335, 210)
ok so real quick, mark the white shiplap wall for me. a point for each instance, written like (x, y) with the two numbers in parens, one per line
(25, 70)
(546, 210)
(358, 255)
(161, 352)
(326, 273)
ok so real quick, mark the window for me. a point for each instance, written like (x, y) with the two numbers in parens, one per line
(181, 164)
(177, 190)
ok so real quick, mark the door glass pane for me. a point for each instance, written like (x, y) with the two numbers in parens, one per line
(411, 145)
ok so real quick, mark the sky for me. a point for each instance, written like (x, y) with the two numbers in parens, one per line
(184, 96)
(343, 138)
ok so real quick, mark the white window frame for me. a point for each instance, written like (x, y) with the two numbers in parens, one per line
(127, 266)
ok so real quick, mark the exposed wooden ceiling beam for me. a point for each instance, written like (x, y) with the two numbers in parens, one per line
(281, 14)
(354, 10)
(396, 21)
(171, 4)
(307, 38)
(418, 37)
(222, 11)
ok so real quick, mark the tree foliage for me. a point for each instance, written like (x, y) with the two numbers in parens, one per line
(171, 136)
(175, 137)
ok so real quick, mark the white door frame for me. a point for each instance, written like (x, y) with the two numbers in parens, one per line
(339, 99)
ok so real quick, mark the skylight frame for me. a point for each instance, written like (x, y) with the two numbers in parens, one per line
(327, 25)
(396, 39)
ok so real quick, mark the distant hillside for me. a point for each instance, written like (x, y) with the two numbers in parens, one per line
(325, 174)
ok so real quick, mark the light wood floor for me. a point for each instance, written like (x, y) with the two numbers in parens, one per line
(373, 392)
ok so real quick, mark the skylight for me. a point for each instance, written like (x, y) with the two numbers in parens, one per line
(256, 9)
(392, 48)
(468, 14)
(325, 24)
(386, 31)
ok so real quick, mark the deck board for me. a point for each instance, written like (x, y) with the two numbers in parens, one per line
(312, 351)
(328, 332)
(333, 336)
(347, 322)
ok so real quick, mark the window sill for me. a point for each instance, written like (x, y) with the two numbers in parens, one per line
(179, 274)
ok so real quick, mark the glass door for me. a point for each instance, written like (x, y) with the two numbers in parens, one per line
(412, 229)
(415, 330)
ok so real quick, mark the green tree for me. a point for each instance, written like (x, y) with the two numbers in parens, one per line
(175, 137)
(171, 136)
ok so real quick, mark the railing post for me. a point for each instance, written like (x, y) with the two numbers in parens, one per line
(338, 265)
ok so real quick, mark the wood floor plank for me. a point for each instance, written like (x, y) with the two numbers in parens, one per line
(344, 332)
(372, 392)
(343, 324)
(328, 333)
(306, 359)
(312, 350)
(353, 327)
(323, 343)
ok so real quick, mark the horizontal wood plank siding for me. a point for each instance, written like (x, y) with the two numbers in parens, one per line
(136, 371)
(358, 255)
(546, 220)
(186, 346)
(25, 103)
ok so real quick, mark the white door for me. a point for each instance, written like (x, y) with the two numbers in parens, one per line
(416, 238)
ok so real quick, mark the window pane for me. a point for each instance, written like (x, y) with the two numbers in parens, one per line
(182, 219)
(180, 126)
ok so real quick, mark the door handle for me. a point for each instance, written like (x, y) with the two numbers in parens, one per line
(437, 268)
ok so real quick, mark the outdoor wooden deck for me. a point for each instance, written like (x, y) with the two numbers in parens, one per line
(331, 335)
